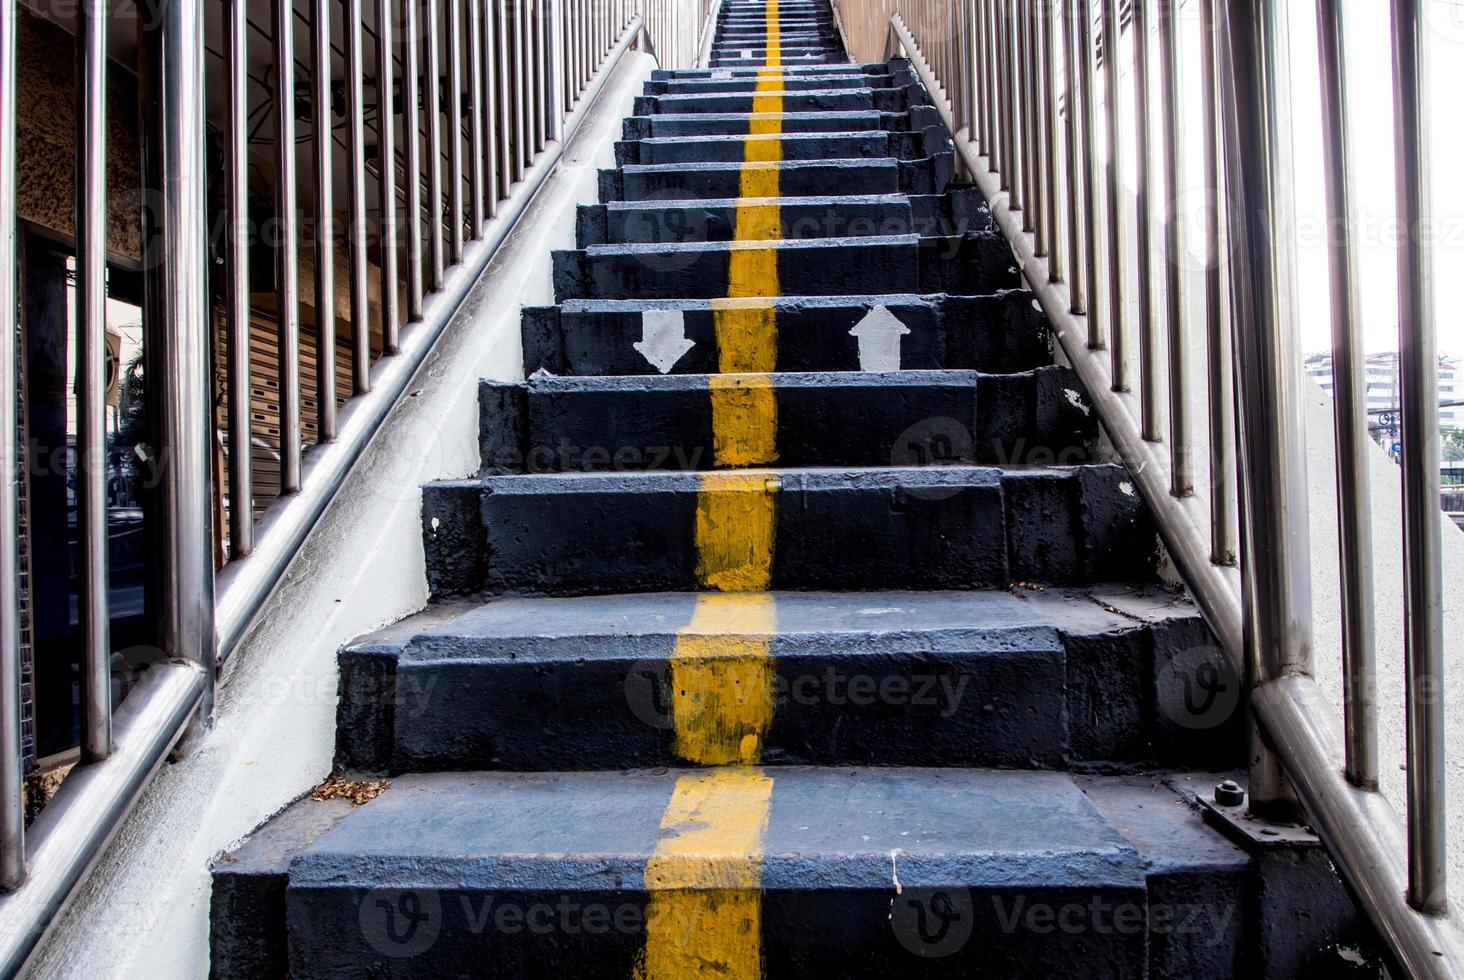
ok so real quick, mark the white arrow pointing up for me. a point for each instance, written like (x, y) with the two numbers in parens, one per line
(663, 341)
(879, 336)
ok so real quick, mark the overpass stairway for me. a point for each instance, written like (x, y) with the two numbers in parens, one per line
(795, 625)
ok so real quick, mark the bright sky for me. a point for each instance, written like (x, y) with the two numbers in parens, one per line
(1369, 92)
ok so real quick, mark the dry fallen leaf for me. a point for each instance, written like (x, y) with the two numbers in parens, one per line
(358, 791)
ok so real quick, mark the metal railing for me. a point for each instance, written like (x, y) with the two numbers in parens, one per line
(1021, 84)
(443, 119)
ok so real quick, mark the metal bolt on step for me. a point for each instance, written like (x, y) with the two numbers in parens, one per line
(1229, 793)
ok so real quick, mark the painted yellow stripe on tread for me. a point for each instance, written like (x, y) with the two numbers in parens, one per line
(722, 680)
(735, 524)
(704, 917)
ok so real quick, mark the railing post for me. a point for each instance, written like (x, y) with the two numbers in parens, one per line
(12, 800)
(1275, 546)
(1419, 401)
(177, 321)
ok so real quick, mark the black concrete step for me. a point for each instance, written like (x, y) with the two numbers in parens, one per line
(795, 82)
(958, 211)
(922, 528)
(972, 265)
(870, 68)
(796, 100)
(996, 334)
(1022, 679)
(871, 144)
(796, 178)
(551, 425)
(684, 125)
(859, 873)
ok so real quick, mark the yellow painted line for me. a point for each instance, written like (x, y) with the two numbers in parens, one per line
(722, 681)
(736, 515)
(704, 917)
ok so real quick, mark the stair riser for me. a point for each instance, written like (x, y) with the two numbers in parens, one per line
(792, 83)
(813, 71)
(821, 420)
(800, 219)
(723, 181)
(733, 149)
(995, 334)
(980, 264)
(853, 100)
(913, 709)
(716, 222)
(689, 127)
(935, 528)
(593, 934)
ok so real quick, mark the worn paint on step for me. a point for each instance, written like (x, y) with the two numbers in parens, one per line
(704, 917)
(722, 680)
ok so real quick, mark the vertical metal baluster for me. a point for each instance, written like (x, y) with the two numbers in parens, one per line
(91, 379)
(1176, 254)
(966, 68)
(538, 72)
(176, 297)
(492, 161)
(386, 165)
(1144, 205)
(412, 133)
(507, 151)
(1011, 147)
(1031, 140)
(12, 794)
(553, 71)
(357, 238)
(436, 248)
(236, 306)
(541, 73)
(522, 154)
(1276, 579)
(287, 273)
(477, 153)
(1116, 264)
(1220, 360)
(1092, 203)
(1349, 389)
(1419, 401)
(454, 41)
(1078, 283)
(324, 237)
(1045, 17)
(988, 93)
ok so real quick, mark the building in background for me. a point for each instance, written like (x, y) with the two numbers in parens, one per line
(1383, 387)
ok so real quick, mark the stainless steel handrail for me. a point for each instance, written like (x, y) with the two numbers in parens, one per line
(1260, 610)
(522, 74)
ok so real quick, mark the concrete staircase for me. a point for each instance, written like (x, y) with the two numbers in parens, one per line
(795, 626)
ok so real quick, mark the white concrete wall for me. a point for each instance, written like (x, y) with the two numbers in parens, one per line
(144, 912)
(1387, 502)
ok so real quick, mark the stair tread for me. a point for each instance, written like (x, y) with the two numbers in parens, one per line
(733, 202)
(619, 626)
(637, 304)
(718, 165)
(793, 479)
(595, 831)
